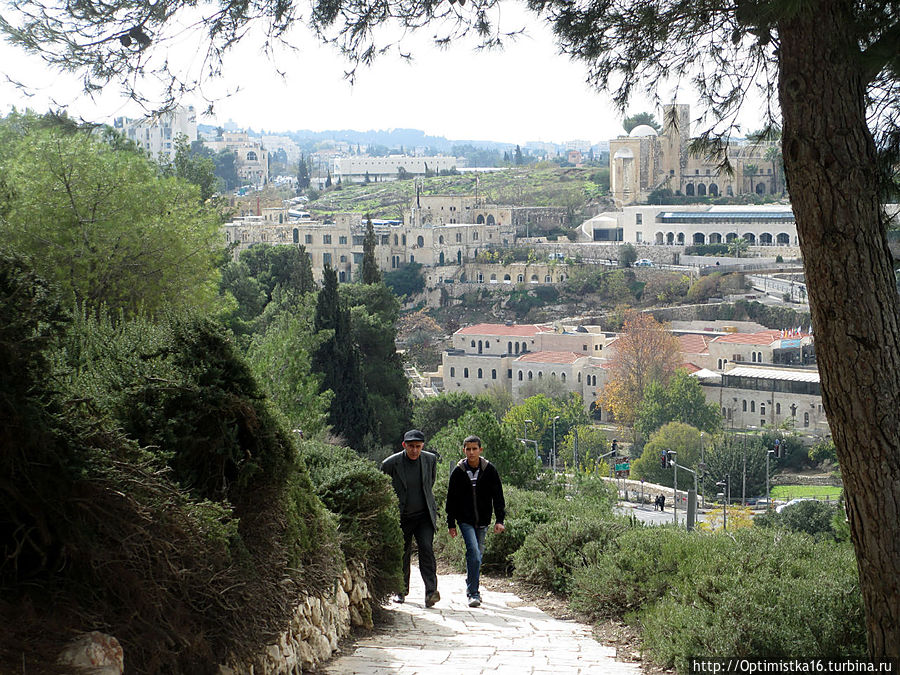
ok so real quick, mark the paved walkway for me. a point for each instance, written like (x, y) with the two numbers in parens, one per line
(505, 636)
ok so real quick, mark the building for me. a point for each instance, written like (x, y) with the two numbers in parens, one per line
(251, 159)
(748, 376)
(157, 134)
(644, 161)
(358, 169)
(767, 225)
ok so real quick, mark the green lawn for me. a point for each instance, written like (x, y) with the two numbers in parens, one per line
(793, 491)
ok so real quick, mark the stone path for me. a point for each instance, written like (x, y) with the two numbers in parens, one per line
(505, 636)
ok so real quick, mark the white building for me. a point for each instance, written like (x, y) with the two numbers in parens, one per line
(157, 134)
(768, 225)
(356, 169)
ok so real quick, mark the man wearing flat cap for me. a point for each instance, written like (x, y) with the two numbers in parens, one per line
(412, 473)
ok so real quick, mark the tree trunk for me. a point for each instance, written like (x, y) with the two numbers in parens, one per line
(830, 169)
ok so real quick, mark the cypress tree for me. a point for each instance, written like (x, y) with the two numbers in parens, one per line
(370, 272)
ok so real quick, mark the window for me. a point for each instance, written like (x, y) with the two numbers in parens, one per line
(806, 419)
(762, 408)
(342, 240)
(777, 408)
(745, 406)
(579, 377)
(475, 235)
(296, 236)
(396, 240)
(509, 373)
(472, 344)
(639, 219)
(403, 239)
(493, 373)
(452, 371)
(441, 239)
(358, 240)
(520, 376)
(465, 372)
(357, 258)
(562, 377)
(420, 241)
(308, 238)
(458, 237)
(326, 238)
(343, 258)
(530, 375)
(326, 259)
(752, 406)
(385, 239)
(479, 373)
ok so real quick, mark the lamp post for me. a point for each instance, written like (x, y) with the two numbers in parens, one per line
(725, 490)
(673, 457)
(702, 467)
(537, 455)
(553, 455)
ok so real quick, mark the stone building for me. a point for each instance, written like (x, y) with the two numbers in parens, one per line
(644, 161)
(251, 159)
(356, 169)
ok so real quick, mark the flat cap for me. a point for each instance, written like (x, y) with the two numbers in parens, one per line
(413, 435)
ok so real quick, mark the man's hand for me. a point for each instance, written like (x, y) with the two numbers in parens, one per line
(499, 527)
(452, 532)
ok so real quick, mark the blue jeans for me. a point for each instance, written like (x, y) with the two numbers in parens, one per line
(474, 538)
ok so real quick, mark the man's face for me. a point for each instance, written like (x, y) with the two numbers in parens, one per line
(413, 448)
(473, 452)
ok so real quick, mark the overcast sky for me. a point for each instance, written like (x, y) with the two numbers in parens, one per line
(528, 92)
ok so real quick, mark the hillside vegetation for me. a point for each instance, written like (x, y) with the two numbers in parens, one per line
(543, 184)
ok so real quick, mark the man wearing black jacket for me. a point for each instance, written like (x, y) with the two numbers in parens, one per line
(473, 494)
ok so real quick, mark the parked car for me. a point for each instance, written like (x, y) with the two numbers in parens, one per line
(643, 262)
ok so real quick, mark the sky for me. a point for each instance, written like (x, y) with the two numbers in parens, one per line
(527, 92)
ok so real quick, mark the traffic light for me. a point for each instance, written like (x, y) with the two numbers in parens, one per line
(779, 450)
(615, 448)
(664, 457)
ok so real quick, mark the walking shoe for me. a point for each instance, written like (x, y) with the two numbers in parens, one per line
(475, 601)
(399, 598)
(432, 598)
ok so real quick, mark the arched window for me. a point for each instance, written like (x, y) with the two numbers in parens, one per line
(762, 408)
(441, 240)
(480, 345)
(530, 375)
(520, 278)
(777, 408)
(493, 373)
(475, 235)
(553, 375)
(689, 190)
(579, 377)
(520, 376)
(509, 347)
(403, 239)
(806, 419)
(452, 371)
(540, 374)
(472, 344)
(752, 406)
(744, 409)
(251, 157)
(420, 241)
(490, 220)
(479, 373)
(517, 348)
(479, 220)
(465, 372)
(396, 240)
(562, 377)
(296, 236)
(701, 190)
(506, 277)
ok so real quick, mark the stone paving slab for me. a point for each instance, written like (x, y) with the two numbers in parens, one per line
(502, 637)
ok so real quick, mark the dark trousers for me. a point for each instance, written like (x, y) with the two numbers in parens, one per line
(421, 528)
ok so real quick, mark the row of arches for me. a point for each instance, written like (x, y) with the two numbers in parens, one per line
(520, 278)
(762, 239)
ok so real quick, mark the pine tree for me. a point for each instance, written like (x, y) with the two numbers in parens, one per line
(370, 272)
(328, 180)
(519, 160)
(302, 174)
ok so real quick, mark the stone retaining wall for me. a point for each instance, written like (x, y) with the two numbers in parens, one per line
(317, 626)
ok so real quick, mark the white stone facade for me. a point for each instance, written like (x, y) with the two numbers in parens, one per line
(355, 169)
(157, 134)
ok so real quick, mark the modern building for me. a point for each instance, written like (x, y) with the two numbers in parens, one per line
(251, 159)
(661, 225)
(157, 134)
(645, 161)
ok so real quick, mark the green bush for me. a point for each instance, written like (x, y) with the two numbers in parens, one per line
(813, 517)
(364, 502)
(551, 553)
(754, 593)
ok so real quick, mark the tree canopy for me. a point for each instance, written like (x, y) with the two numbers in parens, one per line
(101, 223)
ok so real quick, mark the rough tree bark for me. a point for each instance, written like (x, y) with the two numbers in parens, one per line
(830, 166)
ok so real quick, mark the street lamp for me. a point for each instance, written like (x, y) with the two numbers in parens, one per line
(553, 456)
(702, 467)
(724, 485)
(673, 458)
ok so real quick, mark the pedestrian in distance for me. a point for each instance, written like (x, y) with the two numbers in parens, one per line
(412, 472)
(474, 494)
(662, 502)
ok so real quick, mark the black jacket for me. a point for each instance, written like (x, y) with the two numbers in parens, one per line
(488, 498)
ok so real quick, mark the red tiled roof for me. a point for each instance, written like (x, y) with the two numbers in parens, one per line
(550, 357)
(499, 329)
(766, 337)
(694, 344)
(690, 367)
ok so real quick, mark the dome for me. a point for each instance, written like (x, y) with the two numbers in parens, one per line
(624, 153)
(642, 130)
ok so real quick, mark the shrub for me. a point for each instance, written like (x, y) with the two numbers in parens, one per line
(813, 517)
(753, 592)
(363, 500)
(551, 553)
